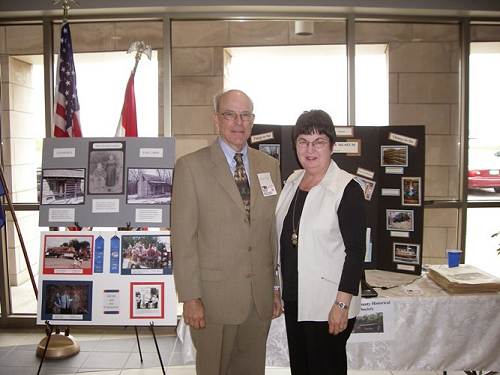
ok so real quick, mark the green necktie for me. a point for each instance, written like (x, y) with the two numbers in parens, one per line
(240, 177)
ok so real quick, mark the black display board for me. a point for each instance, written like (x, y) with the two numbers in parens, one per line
(390, 161)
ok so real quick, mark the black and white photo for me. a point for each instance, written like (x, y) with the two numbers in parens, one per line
(106, 168)
(63, 186)
(146, 300)
(149, 186)
(369, 323)
(272, 149)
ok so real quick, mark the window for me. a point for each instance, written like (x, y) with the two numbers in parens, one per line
(287, 80)
(372, 85)
(484, 117)
(480, 246)
(101, 81)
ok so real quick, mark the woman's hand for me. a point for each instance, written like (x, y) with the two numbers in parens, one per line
(337, 320)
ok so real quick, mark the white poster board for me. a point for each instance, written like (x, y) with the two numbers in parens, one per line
(106, 278)
(375, 321)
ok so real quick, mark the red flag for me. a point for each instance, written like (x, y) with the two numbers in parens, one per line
(67, 108)
(127, 126)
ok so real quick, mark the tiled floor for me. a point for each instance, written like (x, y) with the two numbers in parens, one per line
(113, 353)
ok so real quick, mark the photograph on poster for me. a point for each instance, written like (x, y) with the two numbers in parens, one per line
(67, 254)
(270, 149)
(369, 323)
(146, 255)
(411, 193)
(63, 186)
(367, 185)
(66, 300)
(106, 169)
(394, 156)
(405, 253)
(146, 300)
(399, 220)
(149, 186)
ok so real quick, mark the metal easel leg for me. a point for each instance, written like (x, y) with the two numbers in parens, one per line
(49, 329)
(138, 343)
(151, 325)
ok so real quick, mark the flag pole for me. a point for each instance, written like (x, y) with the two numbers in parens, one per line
(127, 123)
(58, 344)
(19, 234)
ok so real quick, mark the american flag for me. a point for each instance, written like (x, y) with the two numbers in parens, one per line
(67, 108)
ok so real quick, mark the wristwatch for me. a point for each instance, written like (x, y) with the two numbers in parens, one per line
(341, 305)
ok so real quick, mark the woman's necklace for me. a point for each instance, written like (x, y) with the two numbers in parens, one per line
(295, 231)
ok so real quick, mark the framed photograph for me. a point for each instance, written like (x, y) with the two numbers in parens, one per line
(149, 186)
(147, 300)
(367, 185)
(405, 253)
(63, 186)
(66, 300)
(146, 254)
(410, 191)
(106, 168)
(68, 254)
(394, 156)
(400, 220)
(272, 149)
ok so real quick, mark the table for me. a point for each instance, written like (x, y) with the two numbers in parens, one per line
(434, 330)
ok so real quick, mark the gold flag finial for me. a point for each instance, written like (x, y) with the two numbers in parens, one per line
(66, 5)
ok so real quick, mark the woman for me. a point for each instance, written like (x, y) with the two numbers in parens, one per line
(321, 225)
(111, 171)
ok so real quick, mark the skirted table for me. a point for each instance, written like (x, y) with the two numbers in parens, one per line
(426, 328)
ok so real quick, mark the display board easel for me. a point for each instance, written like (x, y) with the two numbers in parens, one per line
(116, 278)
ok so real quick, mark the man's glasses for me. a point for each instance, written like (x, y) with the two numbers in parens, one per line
(232, 116)
(317, 144)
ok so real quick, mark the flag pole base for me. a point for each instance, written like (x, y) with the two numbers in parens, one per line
(60, 346)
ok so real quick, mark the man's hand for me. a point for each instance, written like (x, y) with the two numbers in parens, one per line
(194, 313)
(277, 306)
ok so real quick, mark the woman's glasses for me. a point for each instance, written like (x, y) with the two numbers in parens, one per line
(318, 144)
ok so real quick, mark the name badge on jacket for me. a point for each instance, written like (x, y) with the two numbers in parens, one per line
(266, 184)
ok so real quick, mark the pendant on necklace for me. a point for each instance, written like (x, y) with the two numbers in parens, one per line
(295, 239)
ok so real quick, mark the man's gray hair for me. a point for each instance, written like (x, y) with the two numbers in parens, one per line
(217, 99)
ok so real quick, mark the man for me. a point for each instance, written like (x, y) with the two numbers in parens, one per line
(66, 301)
(224, 243)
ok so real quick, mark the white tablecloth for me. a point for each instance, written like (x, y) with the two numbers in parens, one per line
(433, 331)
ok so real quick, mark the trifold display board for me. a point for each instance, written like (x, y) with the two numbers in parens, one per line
(106, 182)
(389, 163)
(106, 278)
